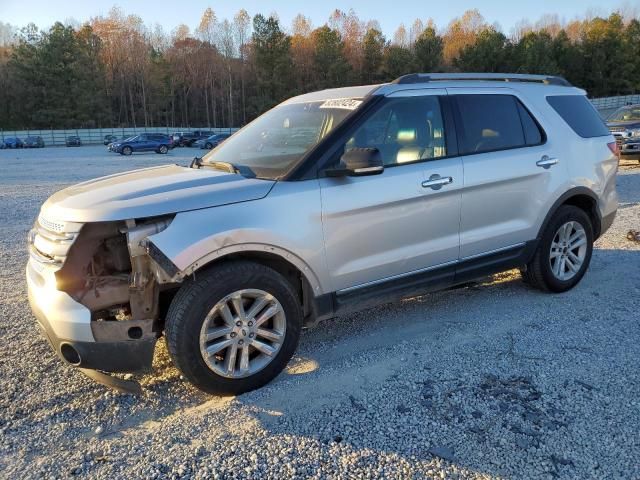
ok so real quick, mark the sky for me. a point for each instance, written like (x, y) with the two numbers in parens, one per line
(390, 13)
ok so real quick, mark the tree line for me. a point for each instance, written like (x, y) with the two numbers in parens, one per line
(115, 71)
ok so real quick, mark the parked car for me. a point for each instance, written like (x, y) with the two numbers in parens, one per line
(33, 142)
(145, 142)
(624, 124)
(112, 146)
(328, 203)
(213, 141)
(187, 139)
(12, 142)
(110, 139)
(73, 141)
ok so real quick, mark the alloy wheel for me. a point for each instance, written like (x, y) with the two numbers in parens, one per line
(568, 250)
(242, 333)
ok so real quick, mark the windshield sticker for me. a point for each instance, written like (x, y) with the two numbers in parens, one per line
(344, 103)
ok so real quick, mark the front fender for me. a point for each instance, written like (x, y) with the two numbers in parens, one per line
(286, 223)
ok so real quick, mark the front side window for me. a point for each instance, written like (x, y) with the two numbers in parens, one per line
(273, 143)
(404, 130)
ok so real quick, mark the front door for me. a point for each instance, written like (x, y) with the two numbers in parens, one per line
(405, 220)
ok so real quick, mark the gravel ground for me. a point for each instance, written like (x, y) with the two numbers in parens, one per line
(494, 380)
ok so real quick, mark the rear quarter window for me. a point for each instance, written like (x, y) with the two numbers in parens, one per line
(579, 114)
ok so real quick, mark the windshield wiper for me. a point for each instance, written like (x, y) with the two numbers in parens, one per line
(224, 166)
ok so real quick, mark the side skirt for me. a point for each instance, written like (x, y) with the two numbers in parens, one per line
(424, 281)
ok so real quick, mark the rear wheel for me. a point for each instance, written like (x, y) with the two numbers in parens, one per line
(127, 151)
(234, 328)
(564, 251)
(163, 149)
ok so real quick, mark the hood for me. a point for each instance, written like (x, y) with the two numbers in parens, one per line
(150, 192)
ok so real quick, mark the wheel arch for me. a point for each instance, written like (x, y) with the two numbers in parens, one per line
(299, 275)
(583, 198)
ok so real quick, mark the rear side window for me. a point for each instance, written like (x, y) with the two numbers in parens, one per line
(494, 122)
(580, 114)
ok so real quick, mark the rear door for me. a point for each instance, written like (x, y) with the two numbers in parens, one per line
(510, 170)
(405, 220)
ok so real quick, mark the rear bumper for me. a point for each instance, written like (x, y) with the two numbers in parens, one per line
(67, 327)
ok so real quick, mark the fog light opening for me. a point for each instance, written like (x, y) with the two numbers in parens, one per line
(135, 333)
(70, 354)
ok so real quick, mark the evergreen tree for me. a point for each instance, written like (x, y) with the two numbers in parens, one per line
(397, 61)
(428, 51)
(330, 64)
(273, 67)
(373, 50)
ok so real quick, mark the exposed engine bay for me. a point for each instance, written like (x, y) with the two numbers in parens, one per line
(109, 271)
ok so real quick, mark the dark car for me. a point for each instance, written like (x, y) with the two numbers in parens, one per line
(213, 141)
(187, 139)
(33, 142)
(12, 142)
(109, 139)
(624, 124)
(73, 141)
(112, 145)
(145, 142)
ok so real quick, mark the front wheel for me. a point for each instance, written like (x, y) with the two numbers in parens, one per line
(208, 146)
(563, 253)
(234, 328)
(127, 151)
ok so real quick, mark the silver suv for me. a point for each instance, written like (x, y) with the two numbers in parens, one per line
(330, 202)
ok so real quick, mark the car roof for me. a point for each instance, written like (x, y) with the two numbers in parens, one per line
(550, 85)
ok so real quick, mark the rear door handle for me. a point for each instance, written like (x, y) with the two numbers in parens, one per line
(436, 182)
(546, 162)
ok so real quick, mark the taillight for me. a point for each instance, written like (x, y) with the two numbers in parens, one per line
(613, 146)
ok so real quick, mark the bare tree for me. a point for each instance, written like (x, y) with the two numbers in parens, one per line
(241, 24)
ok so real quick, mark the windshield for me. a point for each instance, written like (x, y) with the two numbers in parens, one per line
(273, 143)
(626, 114)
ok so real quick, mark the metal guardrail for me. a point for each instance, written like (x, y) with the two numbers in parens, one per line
(95, 136)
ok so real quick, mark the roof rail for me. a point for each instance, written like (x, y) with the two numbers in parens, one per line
(493, 77)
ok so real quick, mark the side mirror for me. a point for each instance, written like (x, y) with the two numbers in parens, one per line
(357, 162)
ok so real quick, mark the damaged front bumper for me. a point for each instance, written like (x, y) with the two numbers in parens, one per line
(125, 346)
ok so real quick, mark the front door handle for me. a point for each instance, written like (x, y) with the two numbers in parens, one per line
(436, 182)
(546, 162)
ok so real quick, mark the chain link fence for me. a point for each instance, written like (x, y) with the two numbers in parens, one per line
(95, 136)
(607, 105)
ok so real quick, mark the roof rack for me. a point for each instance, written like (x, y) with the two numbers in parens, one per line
(493, 77)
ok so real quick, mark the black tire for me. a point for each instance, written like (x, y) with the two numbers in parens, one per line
(163, 149)
(196, 298)
(127, 151)
(538, 272)
(208, 146)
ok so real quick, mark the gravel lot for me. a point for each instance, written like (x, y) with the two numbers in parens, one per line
(494, 380)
